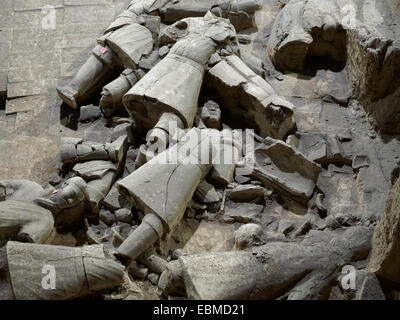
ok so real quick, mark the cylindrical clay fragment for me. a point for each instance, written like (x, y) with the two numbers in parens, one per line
(69, 272)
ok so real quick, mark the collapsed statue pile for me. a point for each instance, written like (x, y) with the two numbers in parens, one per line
(169, 73)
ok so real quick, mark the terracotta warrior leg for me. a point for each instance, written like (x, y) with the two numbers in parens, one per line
(87, 79)
(112, 93)
(148, 232)
(162, 189)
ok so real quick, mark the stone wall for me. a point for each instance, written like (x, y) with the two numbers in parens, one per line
(33, 61)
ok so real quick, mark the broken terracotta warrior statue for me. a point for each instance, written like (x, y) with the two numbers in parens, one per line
(163, 187)
(165, 100)
(129, 45)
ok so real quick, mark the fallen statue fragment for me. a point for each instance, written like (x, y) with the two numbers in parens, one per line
(281, 167)
(307, 28)
(78, 272)
(164, 186)
(25, 221)
(267, 271)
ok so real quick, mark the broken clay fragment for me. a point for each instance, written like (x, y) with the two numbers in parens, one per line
(240, 87)
(25, 221)
(284, 169)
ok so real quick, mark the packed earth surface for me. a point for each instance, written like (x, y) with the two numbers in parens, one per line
(104, 105)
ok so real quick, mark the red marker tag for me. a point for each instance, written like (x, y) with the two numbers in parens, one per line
(55, 191)
(103, 50)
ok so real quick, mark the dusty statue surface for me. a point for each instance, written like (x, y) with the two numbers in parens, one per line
(248, 149)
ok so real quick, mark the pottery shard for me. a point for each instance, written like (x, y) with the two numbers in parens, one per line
(240, 88)
(206, 193)
(78, 272)
(385, 254)
(98, 189)
(117, 149)
(123, 215)
(89, 112)
(242, 212)
(131, 43)
(123, 129)
(24, 190)
(96, 169)
(24, 221)
(282, 168)
(246, 193)
(155, 263)
(114, 200)
(326, 149)
(313, 146)
(73, 151)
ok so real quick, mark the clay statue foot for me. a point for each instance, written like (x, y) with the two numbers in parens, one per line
(68, 95)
